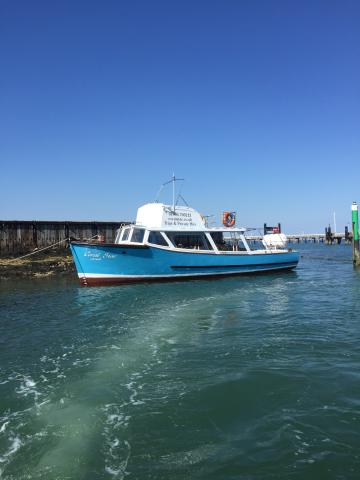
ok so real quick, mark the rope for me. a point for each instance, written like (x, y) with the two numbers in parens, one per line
(37, 251)
(44, 248)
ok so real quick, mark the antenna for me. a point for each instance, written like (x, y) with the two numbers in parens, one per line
(206, 219)
(173, 180)
(181, 198)
(158, 193)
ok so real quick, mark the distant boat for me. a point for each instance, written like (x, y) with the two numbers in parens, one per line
(171, 242)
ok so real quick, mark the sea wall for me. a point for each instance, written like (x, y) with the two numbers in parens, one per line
(21, 237)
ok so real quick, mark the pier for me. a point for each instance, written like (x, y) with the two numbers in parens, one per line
(321, 238)
(328, 238)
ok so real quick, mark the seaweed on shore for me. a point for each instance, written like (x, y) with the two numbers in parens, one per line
(45, 265)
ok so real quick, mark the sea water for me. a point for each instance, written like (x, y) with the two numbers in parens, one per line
(254, 377)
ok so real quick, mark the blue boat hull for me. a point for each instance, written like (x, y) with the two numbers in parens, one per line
(101, 264)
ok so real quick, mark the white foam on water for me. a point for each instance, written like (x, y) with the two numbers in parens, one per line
(190, 457)
(134, 394)
(39, 405)
(16, 443)
(117, 420)
(72, 415)
(118, 469)
(82, 361)
(56, 370)
(112, 471)
(3, 427)
(41, 434)
(28, 387)
(114, 416)
(115, 443)
(117, 449)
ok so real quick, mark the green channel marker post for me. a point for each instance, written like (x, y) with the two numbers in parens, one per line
(355, 230)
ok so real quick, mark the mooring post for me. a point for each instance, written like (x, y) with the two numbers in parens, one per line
(355, 237)
(328, 235)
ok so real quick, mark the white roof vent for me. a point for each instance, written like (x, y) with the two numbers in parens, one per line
(275, 240)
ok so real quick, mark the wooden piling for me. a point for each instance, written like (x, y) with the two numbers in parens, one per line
(22, 237)
(328, 236)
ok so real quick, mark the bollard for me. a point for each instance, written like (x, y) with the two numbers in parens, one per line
(355, 238)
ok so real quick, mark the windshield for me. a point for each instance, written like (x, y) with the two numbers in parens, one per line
(190, 240)
(228, 241)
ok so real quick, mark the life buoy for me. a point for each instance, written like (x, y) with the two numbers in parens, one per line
(229, 219)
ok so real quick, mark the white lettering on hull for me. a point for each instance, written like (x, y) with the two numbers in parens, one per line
(98, 255)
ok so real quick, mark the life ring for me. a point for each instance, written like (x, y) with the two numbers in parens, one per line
(229, 219)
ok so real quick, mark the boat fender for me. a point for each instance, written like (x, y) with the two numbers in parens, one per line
(229, 219)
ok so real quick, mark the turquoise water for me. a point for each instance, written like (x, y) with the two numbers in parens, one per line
(250, 377)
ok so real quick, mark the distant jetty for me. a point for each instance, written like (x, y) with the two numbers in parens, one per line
(327, 237)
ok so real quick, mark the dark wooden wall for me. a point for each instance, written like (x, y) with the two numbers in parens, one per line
(21, 237)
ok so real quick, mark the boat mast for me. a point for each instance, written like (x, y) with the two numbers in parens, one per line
(173, 180)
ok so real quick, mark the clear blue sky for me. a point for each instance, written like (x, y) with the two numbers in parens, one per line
(255, 103)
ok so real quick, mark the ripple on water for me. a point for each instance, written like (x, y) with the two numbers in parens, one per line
(253, 377)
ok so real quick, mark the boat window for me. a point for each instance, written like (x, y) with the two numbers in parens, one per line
(125, 235)
(189, 240)
(138, 235)
(255, 244)
(157, 239)
(228, 241)
(240, 246)
(117, 235)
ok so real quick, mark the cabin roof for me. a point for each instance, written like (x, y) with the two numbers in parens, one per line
(158, 216)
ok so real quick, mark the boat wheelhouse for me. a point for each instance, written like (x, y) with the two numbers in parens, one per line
(170, 242)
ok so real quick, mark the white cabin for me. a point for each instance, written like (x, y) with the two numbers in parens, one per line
(182, 228)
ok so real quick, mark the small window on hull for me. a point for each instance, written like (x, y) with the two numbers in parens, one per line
(157, 239)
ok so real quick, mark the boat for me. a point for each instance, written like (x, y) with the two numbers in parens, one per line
(174, 242)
